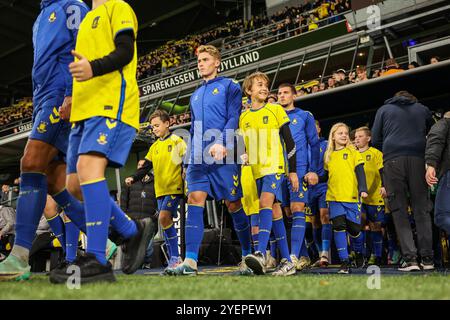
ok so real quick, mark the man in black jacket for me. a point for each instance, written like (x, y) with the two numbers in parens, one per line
(400, 130)
(437, 158)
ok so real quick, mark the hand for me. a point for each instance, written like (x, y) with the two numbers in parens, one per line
(65, 108)
(430, 176)
(364, 195)
(129, 181)
(218, 151)
(294, 181)
(244, 159)
(383, 192)
(312, 178)
(81, 70)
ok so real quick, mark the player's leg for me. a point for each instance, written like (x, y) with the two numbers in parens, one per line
(354, 229)
(254, 222)
(241, 225)
(339, 224)
(375, 218)
(168, 206)
(286, 266)
(30, 206)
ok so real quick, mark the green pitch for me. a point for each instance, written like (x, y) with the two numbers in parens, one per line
(305, 286)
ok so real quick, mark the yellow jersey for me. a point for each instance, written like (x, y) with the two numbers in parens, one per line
(261, 132)
(342, 182)
(114, 95)
(250, 200)
(373, 162)
(166, 156)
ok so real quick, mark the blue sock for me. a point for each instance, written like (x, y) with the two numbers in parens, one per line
(357, 242)
(273, 244)
(97, 204)
(254, 222)
(172, 239)
(265, 226)
(194, 231)
(166, 240)
(121, 222)
(377, 243)
(340, 238)
(326, 237)
(304, 250)
(317, 236)
(242, 228)
(73, 208)
(57, 225)
(72, 236)
(279, 231)
(297, 232)
(30, 205)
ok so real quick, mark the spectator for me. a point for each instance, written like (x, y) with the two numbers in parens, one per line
(413, 65)
(376, 74)
(272, 98)
(437, 158)
(4, 195)
(315, 89)
(392, 67)
(331, 83)
(361, 74)
(341, 78)
(435, 60)
(322, 86)
(400, 130)
(7, 224)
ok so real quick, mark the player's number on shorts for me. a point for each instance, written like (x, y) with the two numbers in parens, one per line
(73, 17)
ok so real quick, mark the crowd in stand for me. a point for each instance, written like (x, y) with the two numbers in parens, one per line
(21, 110)
(297, 19)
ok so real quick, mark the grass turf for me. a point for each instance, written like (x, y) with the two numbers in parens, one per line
(429, 286)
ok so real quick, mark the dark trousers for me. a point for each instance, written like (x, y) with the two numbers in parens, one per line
(442, 204)
(404, 179)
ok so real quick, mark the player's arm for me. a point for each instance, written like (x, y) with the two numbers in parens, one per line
(436, 140)
(83, 69)
(361, 178)
(75, 13)
(234, 107)
(291, 150)
(313, 142)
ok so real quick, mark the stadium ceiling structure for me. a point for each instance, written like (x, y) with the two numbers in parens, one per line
(159, 22)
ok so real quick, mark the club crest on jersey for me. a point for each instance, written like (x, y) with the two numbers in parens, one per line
(233, 192)
(301, 195)
(102, 139)
(265, 119)
(42, 127)
(345, 156)
(95, 22)
(368, 157)
(215, 91)
(52, 17)
(294, 121)
(169, 148)
(273, 186)
(169, 204)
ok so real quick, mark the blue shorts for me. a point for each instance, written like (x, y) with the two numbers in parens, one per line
(351, 210)
(374, 213)
(169, 203)
(48, 126)
(106, 136)
(219, 181)
(272, 184)
(317, 196)
(290, 196)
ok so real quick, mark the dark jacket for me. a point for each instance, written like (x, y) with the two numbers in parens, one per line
(400, 128)
(437, 152)
(139, 201)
